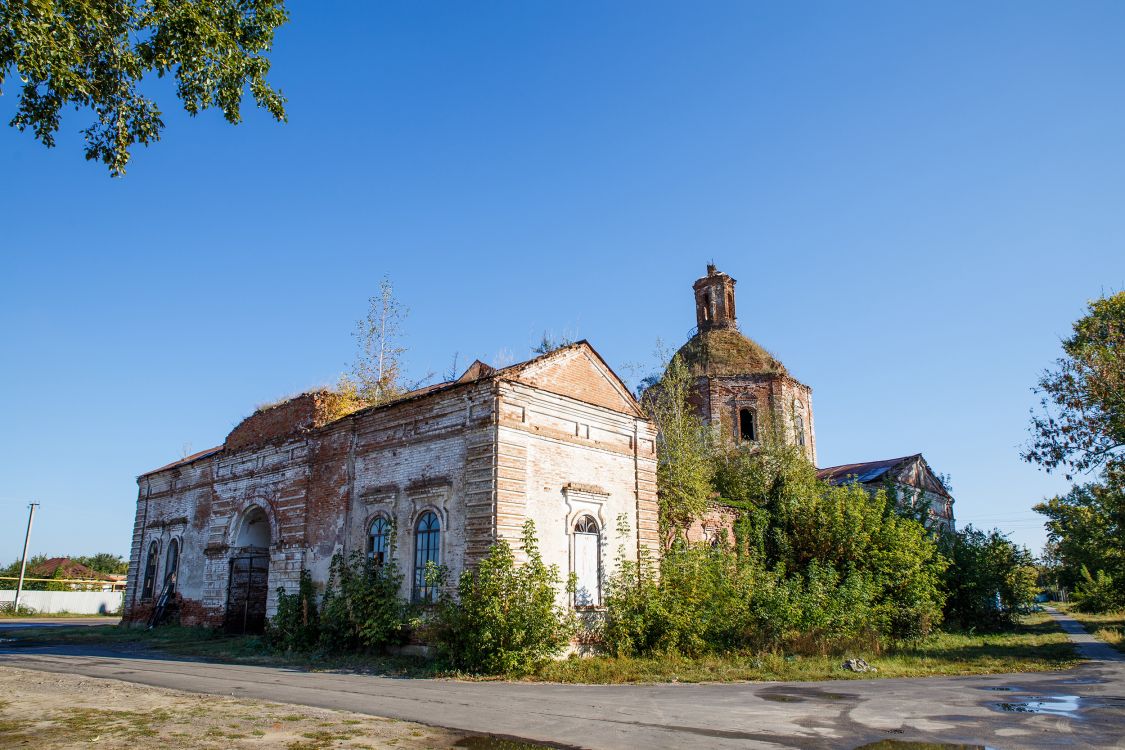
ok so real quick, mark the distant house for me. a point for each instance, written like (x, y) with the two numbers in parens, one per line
(914, 482)
(63, 568)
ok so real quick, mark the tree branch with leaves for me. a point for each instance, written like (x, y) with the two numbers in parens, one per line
(1080, 426)
(94, 54)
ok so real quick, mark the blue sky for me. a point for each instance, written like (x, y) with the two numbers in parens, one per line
(916, 199)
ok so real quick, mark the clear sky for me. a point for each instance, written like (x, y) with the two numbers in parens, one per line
(916, 199)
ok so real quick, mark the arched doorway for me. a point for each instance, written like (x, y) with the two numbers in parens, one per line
(249, 574)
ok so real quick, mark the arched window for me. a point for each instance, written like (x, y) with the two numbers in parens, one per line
(172, 566)
(378, 540)
(587, 566)
(799, 423)
(150, 572)
(747, 430)
(427, 545)
(707, 307)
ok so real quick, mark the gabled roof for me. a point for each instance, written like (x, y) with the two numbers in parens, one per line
(70, 569)
(874, 471)
(605, 389)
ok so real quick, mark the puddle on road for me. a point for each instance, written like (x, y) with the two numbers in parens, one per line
(1001, 689)
(799, 695)
(1055, 705)
(907, 745)
(491, 742)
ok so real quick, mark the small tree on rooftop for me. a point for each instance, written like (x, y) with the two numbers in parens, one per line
(376, 375)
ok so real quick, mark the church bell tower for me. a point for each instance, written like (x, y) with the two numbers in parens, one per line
(714, 301)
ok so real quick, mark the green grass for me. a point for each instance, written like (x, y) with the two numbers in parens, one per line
(1036, 644)
(1109, 627)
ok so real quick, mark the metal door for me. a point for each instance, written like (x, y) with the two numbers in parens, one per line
(246, 596)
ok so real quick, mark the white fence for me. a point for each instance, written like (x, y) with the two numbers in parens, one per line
(75, 602)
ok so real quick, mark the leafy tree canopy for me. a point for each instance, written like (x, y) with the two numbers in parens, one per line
(684, 469)
(94, 54)
(1086, 530)
(1081, 423)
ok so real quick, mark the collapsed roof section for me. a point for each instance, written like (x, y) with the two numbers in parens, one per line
(566, 371)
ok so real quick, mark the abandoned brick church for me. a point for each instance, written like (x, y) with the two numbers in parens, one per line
(450, 468)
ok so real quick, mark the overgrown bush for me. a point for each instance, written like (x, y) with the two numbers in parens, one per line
(505, 618)
(990, 579)
(707, 600)
(814, 568)
(362, 609)
(1096, 593)
(296, 625)
(697, 603)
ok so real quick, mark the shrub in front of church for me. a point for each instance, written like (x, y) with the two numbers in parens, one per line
(699, 602)
(296, 626)
(504, 618)
(362, 609)
(990, 579)
(814, 568)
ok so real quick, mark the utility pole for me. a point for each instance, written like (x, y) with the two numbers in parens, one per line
(23, 564)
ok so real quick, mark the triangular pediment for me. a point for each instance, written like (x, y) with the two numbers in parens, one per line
(914, 471)
(579, 372)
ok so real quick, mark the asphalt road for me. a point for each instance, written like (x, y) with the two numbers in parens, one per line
(1080, 708)
(15, 623)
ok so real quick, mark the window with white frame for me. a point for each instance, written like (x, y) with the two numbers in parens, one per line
(586, 564)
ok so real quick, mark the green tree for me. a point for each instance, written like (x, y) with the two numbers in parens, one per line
(296, 624)
(1086, 530)
(684, 469)
(362, 609)
(104, 562)
(505, 618)
(990, 579)
(95, 54)
(1081, 423)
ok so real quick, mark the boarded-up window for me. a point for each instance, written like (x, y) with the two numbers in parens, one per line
(587, 563)
(150, 573)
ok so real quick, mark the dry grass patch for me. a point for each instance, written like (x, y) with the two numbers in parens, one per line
(64, 711)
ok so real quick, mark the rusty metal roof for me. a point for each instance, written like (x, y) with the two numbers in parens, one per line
(867, 471)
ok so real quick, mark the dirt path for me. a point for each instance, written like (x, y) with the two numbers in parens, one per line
(52, 710)
(1089, 646)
